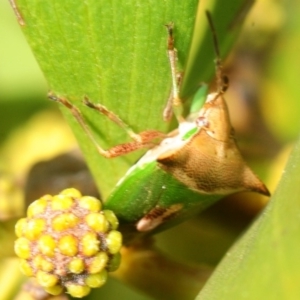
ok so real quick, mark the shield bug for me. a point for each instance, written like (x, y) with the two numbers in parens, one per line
(192, 166)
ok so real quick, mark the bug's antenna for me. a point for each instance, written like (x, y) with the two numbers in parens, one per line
(222, 80)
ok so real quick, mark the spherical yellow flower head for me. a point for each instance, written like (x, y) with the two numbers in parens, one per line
(68, 242)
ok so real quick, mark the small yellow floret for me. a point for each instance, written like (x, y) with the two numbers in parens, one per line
(47, 245)
(20, 227)
(71, 192)
(114, 241)
(64, 221)
(98, 263)
(68, 245)
(45, 279)
(97, 222)
(37, 207)
(90, 244)
(111, 218)
(46, 265)
(34, 228)
(26, 268)
(22, 248)
(96, 280)
(76, 266)
(77, 290)
(54, 290)
(90, 203)
(61, 202)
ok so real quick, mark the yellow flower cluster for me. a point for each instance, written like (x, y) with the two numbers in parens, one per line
(67, 241)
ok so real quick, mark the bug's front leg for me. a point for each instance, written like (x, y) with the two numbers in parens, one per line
(174, 103)
(145, 139)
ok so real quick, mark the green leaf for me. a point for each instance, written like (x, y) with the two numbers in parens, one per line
(264, 264)
(114, 52)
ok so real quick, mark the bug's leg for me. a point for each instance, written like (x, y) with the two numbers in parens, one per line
(222, 79)
(143, 140)
(113, 117)
(168, 110)
(174, 100)
(157, 216)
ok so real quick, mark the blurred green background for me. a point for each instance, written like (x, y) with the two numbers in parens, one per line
(264, 103)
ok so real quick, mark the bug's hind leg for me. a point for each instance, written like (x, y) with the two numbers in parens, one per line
(145, 139)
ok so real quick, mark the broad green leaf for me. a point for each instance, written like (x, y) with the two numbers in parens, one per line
(264, 264)
(114, 52)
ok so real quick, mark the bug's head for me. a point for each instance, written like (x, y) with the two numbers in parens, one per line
(214, 118)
